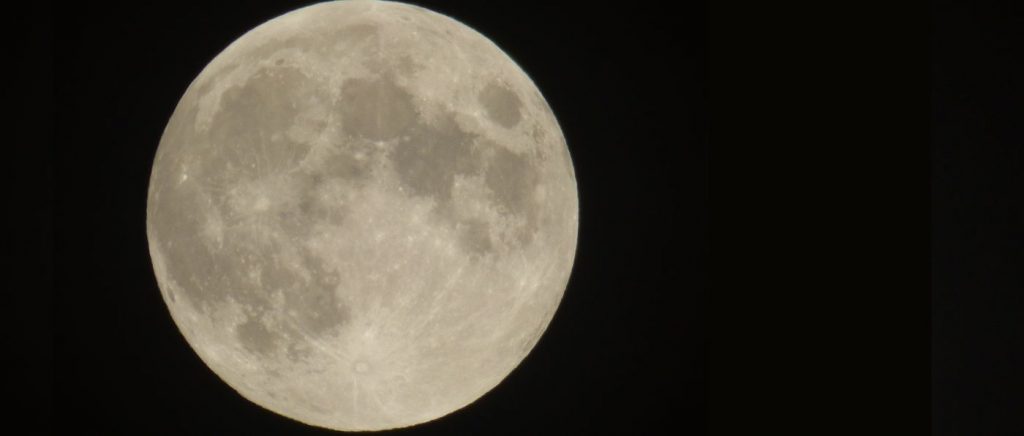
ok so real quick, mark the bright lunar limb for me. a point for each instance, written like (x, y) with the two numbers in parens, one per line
(362, 215)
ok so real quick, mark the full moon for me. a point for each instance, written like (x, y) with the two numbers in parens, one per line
(362, 215)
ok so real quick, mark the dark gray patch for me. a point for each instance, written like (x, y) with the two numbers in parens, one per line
(375, 109)
(296, 354)
(315, 210)
(428, 160)
(298, 220)
(273, 274)
(512, 179)
(249, 272)
(538, 134)
(255, 337)
(298, 215)
(248, 135)
(501, 104)
(406, 66)
(211, 278)
(243, 268)
(540, 149)
(189, 262)
(316, 302)
(345, 165)
(476, 236)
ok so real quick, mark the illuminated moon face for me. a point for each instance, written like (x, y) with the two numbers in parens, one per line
(362, 215)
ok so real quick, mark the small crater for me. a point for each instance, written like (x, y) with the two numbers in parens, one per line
(376, 109)
(501, 104)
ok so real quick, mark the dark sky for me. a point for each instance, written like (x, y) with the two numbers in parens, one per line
(978, 218)
(624, 353)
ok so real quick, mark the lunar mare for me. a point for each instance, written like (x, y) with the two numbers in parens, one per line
(362, 215)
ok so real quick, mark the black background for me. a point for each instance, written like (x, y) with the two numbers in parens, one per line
(624, 353)
(818, 313)
(978, 218)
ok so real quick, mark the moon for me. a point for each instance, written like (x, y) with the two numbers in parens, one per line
(362, 215)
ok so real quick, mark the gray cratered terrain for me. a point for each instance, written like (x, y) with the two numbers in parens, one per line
(362, 215)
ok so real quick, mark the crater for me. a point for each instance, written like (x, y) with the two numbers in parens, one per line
(375, 109)
(501, 104)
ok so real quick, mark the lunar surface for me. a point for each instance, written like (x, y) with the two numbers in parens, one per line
(362, 215)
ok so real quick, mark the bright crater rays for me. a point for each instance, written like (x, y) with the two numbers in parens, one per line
(362, 215)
